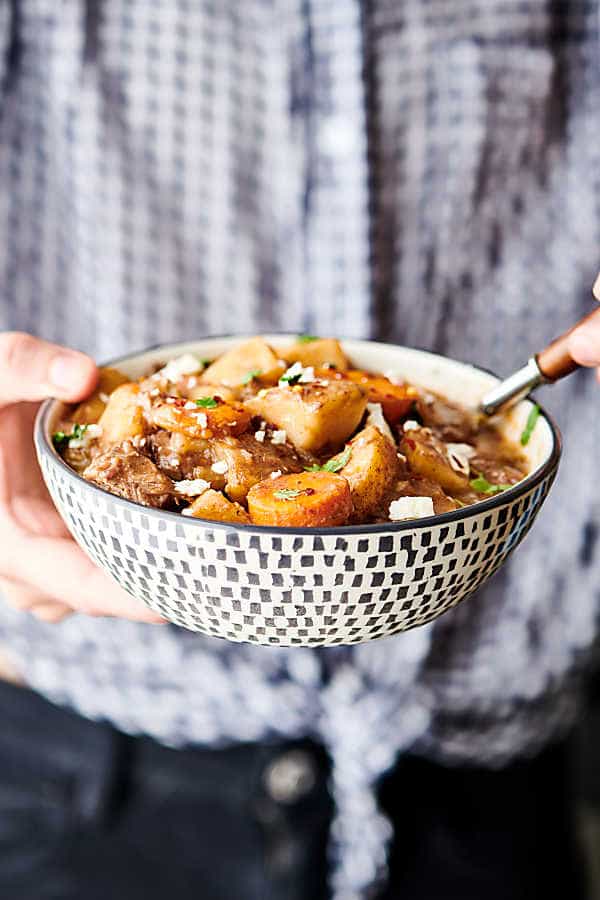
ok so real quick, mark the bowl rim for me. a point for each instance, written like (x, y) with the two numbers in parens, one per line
(550, 465)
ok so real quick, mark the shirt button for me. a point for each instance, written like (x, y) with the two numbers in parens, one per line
(290, 777)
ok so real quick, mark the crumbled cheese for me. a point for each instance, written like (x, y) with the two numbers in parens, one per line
(192, 487)
(298, 373)
(188, 511)
(190, 405)
(276, 473)
(411, 425)
(103, 397)
(202, 420)
(220, 467)
(154, 392)
(260, 436)
(410, 508)
(263, 425)
(308, 375)
(192, 382)
(170, 400)
(173, 461)
(376, 418)
(188, 364)
(279, 437)
(294, 371)
(91, 433)
(459, 456)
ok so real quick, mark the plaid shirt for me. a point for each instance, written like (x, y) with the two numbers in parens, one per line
(413, 170)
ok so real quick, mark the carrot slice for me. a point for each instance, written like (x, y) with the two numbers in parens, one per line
(396, 399)
(305, 500)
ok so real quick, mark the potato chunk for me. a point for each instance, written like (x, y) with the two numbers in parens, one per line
(313, 415)
(199, 421)
(210, 390)
(89, 411)
(214, 506)
(309, 499)
(320, 353)
(371, 471)
(123, 417)
(426, 456)
(235, 366)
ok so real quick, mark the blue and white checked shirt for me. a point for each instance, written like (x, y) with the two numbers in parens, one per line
(415, 170)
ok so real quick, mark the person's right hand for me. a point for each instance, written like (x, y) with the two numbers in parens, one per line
(42, 569)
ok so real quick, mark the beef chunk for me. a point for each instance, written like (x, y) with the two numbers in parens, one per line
(447, 420)
(126, 472)
(496, 471)
(249, 461)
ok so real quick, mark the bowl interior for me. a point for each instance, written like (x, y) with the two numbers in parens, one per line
(458, 381)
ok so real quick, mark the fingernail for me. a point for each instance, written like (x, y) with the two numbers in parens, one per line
(65, 372)
(584, 350)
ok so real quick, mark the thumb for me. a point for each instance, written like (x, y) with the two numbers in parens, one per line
(32, 369)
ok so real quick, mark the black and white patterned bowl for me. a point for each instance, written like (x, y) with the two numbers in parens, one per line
(297, 587)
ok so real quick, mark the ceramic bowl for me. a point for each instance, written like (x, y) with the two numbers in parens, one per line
(306, 587)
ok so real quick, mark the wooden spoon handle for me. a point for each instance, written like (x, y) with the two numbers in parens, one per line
(555, 361)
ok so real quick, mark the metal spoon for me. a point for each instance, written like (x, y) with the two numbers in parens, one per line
(546, 367)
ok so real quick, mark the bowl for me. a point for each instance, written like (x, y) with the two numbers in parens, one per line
(306, 586)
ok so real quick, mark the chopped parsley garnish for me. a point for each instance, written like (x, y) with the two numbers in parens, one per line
(205, 362)
(206, 402)
(61, 440)
(332, 465)
(530, 425)
(287, 493)
(483, 486)
(250, 376)
(306, 338)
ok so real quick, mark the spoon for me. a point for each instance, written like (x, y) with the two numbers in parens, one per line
(546, 367)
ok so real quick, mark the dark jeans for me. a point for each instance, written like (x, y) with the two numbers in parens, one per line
(89, 814)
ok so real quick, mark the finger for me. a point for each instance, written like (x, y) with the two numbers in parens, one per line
(20, 595)
(37, 516)
(51, 611)
(584, 343)
(58, 567)
(31, 369)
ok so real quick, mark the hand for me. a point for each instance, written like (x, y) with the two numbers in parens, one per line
(42, 569)
(584, 341)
